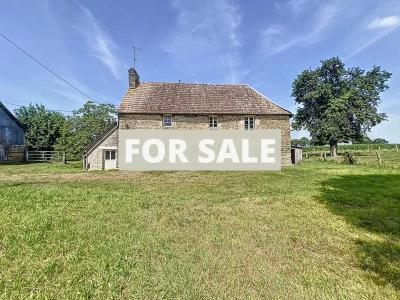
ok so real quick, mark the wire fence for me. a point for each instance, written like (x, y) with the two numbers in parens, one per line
(374, 155)
(354, 147)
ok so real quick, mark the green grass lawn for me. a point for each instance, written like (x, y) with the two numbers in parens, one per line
(318, 230)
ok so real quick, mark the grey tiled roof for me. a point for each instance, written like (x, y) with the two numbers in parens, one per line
(190, 98)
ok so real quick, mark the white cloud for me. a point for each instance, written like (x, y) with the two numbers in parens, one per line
(101, 46)
(385, 23)
(206, 34)
(297, 6)
(366, 44)
(381, 27)
(272, 30)
(322, 18)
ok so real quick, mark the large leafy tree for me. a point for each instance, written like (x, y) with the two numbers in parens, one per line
(43, 126)
(338, 104)
(84, 126)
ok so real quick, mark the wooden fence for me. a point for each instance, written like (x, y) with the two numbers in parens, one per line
(45, 156)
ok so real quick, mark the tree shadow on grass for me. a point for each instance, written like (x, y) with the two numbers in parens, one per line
(371, 202)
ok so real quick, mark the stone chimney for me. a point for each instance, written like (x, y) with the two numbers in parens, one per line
(134, 79)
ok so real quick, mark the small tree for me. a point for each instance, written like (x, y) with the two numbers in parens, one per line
(84, 126)
(338, 104)
(380, 141)
(304, 141)
(300, 142)
(43, 126)
(295, 142)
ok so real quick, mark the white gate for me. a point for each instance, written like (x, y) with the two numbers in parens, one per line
(45, 156)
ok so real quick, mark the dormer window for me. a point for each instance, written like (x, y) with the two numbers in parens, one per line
(167, 120)
(213, 121)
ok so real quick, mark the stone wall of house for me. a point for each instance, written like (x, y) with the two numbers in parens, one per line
(154, 121)
(95, 158)
(281, 122)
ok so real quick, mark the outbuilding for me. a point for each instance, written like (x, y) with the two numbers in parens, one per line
(12, 136)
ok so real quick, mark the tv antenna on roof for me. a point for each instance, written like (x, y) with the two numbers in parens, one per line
(134, 55)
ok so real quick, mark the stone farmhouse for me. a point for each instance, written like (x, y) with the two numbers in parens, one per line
(154, 105)
(12, 137)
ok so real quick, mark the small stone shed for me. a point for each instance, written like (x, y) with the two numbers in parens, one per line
(102, 154)
(153, 105)
(12, 137)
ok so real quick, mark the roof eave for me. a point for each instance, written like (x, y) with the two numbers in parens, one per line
(100, 139)
(266, 98)
(11, 115)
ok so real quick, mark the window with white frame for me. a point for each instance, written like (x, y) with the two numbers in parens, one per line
(249, 123)
(110, 155)
(167, 120)
(213, 121)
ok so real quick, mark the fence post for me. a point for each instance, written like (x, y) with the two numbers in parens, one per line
(397, 148)
(324, 155)
(379, 158)
(64, 158)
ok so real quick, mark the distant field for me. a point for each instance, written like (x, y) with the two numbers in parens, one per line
(318, 230)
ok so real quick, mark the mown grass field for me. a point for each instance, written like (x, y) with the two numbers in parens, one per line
(318, 230)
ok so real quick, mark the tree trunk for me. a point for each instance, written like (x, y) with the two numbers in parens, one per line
(333, 149)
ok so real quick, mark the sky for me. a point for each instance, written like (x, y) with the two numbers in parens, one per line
(265, 44)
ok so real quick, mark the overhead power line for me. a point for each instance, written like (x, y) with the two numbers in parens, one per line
(47, 68)
(19, 105)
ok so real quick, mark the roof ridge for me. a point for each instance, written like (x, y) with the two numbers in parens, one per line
(194, 83)
(11, 115)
